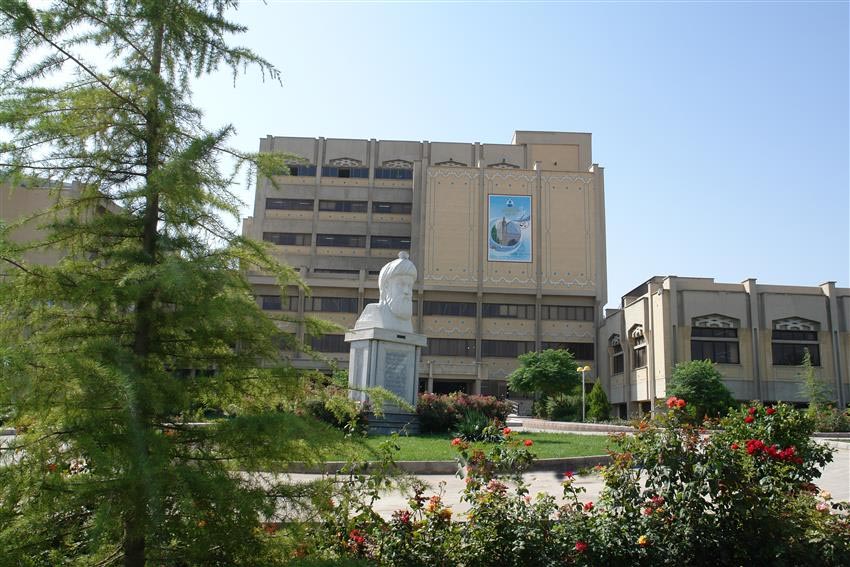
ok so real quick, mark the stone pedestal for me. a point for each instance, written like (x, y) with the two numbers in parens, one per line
(388, 359)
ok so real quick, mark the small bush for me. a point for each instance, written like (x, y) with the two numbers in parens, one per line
(440, 413)
(828, 418)
(598, 408)
(564, 407)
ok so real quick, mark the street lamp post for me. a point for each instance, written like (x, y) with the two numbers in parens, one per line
(584, 370)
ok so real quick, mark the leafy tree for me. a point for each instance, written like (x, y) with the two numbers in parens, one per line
(815, 390)
(109, 357)
(701, 385)
(545, 374)
(598, 408)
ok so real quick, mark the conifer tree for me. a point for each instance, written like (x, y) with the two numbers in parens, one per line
(109, 358)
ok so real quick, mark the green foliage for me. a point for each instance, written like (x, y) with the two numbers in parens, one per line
(112, 356)
(598, 408)
(474, 426)
(673, 496)
(545, 373)
(439, 413)
(563, 407)
(820, 410)
(699, 382)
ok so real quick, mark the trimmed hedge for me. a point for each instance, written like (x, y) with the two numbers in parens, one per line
(440, 413)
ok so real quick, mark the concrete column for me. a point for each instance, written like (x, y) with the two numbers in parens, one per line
(837, 362)
(755, 324)
(476, 387)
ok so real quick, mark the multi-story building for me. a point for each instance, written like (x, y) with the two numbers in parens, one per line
(509, 240)
(756, 334)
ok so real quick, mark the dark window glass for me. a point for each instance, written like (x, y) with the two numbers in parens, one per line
(639, 357)
(721, 352)
(335, 271)
(506, 349)
(342, 240)
(791, 354)
(450, 347)
(356, 172)
(329, 343)
(391, 242)
(393, 173)
(276, 302)
(714, 333)
(617, 365)
(508, 311)
(290, 204)
(287, 238)
(456, 309)
(302, 170)
(566, 313)
(795, 335)
(393, 208)
(343, 206)
(331, 304)
(581, 351)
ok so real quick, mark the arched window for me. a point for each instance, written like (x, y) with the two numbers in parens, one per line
(715, 337)
(790, 340)
(615, 350)
(638, 341)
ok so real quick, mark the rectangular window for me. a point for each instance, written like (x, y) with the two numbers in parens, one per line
(329, 343)
(277, 303)
(391, 242)
(355, 172)
(336, 271)
(507, 311)
(581, 351)
(290, 204)
(721, 352)
(714, 333)
(393, 173)
(288, 238)
(456, 309)
(341, 240)
(791, 354)
(566, 313)
(298, 170)
(450, 347)
(639, 357)
(392, 208)
(506, 349)
(331, 304)
(617, 365)
(800, 336)
(343, 206)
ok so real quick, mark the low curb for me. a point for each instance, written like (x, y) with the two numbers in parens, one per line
(450, 467)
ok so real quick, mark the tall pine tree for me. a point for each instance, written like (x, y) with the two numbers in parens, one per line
(110, 357)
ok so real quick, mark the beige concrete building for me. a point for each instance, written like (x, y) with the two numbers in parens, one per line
(509, 240)
(755, 333)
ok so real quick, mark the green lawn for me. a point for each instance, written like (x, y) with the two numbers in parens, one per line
(438, 447)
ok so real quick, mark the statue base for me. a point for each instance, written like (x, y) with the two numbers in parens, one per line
(389, 423)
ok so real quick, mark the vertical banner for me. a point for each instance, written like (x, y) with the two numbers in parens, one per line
(509, 229)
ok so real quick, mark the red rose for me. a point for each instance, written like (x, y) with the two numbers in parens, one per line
(528, 442)
(751, 411)
(680, 403)
(671, 401)
(749, 419)
(588, 507)
(770, 411)
(456, 441)
(569, 474)
(581, 546)
(506, 431)
(734, 446)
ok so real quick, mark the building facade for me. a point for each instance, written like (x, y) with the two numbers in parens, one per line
(756, 334)
(509, 240)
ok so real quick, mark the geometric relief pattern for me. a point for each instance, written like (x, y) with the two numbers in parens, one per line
(450, 163)
(715, 322)
(346, 162)
(503, 165)
(614, 341)
(398, 164)
(636, 334)
(795, 324)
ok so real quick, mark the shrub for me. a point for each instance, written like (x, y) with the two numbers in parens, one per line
(563, 407)
(471, 425)
(440, 413)
(598, 408)
(699, 382)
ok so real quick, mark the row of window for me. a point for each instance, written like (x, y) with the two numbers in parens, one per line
(509, 311)
(337, 206)
(298, 170)
(788, 347)
(337, 240)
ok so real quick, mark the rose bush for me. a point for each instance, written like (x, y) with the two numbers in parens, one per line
(675, 494)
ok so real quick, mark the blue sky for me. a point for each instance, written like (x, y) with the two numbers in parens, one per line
(722, 127)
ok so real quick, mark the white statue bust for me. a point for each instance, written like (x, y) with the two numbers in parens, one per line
(395, 307)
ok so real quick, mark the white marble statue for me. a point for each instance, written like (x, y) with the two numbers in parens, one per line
(395, 307)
